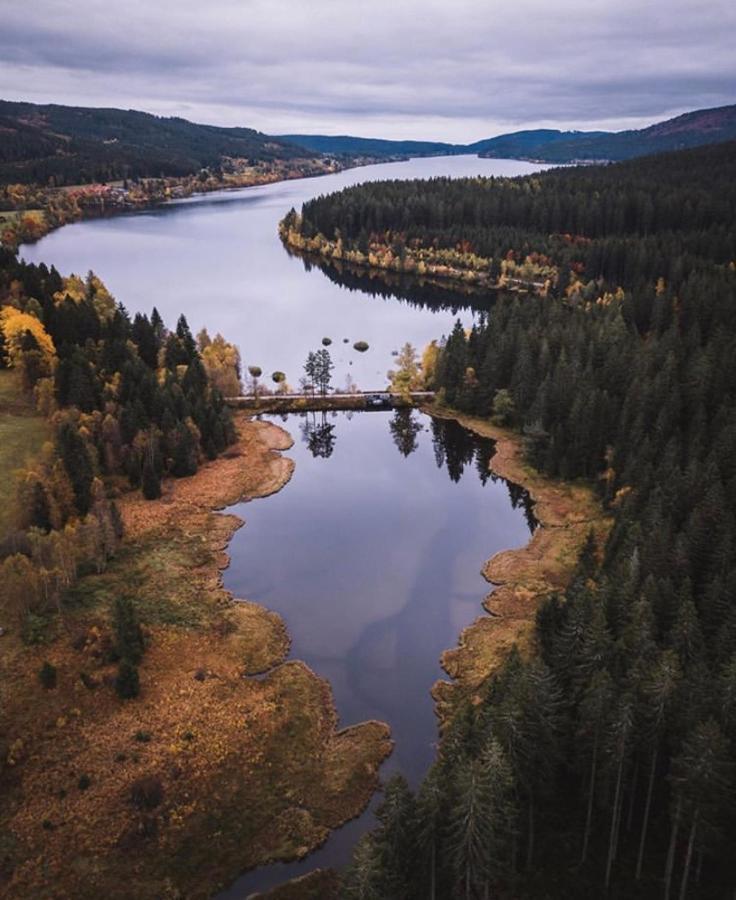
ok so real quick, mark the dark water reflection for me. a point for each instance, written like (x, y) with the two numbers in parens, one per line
(421, 292)
(372, 554)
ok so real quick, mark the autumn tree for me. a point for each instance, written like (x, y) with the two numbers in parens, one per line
(222, 362)
(28, 347)
(407, 376)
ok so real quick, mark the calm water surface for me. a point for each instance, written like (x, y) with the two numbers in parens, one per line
(218, 259)
(372, 552)
(373, 557)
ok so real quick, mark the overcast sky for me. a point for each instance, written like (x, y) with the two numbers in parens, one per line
(457, 70)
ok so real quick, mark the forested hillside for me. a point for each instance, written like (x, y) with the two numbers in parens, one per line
(76, 145)
(54, 145)
(529, 144)
(604, 765)
(693, 129)
(128, 402)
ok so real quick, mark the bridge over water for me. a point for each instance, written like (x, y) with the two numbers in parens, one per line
(359, 400)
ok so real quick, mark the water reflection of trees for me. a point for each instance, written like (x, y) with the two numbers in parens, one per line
(457, 448)
(318, 434)
(420, 291)
(404, 430)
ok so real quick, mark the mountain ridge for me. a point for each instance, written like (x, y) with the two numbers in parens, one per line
(60, 145)
(691, 129)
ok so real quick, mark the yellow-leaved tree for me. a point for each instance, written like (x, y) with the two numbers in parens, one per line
(92, 288)
(222, 362)
(407, 376)
(73, 288)
(429, 364)
(28, 346)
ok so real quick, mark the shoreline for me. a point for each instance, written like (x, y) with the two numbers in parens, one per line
(522, 577)
(260, 764)
(201, 680)
(439, 266)
(102, 201)
(566, 512)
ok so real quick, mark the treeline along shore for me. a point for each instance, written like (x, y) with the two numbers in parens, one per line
(593, 753)
(554, 233)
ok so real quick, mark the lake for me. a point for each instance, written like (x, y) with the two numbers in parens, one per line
(218, 258)
(372, 553)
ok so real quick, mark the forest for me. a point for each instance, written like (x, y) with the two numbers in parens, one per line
(603, 765)
(128, 402)
(627, 224)
(62, 145)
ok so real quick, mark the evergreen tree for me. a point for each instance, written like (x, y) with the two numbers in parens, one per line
(129, 643)
(74, 455)
(395, 838)
(470, 834)
(431, 817)
(361, 879)
(127, 682)
(151, 481)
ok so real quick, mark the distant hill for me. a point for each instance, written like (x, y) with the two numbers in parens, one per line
(694, 129)
(705, 126)
(528, 143)
(72, 144)
(344, 145)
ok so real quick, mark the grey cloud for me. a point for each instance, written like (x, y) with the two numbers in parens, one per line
(395, 68)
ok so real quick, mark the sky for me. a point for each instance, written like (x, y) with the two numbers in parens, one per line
(458, 70)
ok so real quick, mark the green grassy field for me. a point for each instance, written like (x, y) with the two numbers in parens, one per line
(22, 433)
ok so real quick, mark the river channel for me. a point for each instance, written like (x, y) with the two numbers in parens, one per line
(372, 552)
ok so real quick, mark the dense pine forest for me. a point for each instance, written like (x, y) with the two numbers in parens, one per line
(628, 224)
(604, 765)
(128, 402)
